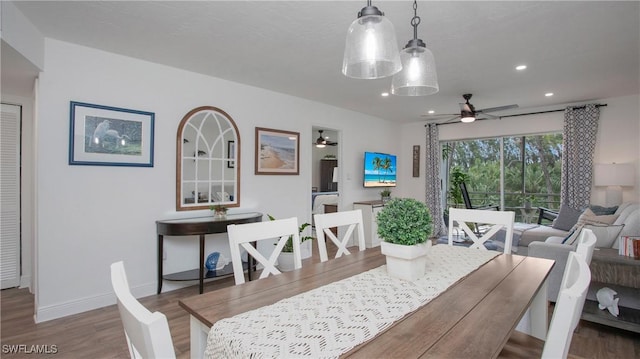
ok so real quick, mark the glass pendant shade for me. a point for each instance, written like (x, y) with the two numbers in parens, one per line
(418, 76)
(371, 49)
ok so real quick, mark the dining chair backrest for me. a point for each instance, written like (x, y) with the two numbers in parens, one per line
(568, 309)
(352, 220)
(241, 236)
(586, 244)
(147, 333)
(497, 219)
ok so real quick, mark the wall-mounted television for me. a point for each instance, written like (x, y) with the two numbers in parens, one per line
(379, 169)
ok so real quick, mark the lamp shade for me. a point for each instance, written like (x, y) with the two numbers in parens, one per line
(614, 174)
(418, 76)
(335, 175)
(371, 49)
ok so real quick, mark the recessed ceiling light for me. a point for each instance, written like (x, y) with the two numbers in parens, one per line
(431, 112)
(521, 67)
(549, 94)
(385, 94)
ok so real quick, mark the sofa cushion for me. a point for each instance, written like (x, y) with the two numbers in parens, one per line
(567, 218)
(602, 211)
(540, 234)
(605, 235)
(572, 238)
(588, 217)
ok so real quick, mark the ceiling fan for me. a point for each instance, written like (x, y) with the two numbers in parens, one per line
(321, 142)
(468, 112)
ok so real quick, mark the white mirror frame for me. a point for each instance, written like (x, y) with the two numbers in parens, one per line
(207, 160)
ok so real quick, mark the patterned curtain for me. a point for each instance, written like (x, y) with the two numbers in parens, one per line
(433, 179)
(580, 129)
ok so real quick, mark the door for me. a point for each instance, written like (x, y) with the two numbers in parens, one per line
(10, 195)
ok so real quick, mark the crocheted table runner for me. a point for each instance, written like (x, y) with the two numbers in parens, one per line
(330, 320)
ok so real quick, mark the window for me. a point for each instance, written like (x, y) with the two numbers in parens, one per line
(518, 173)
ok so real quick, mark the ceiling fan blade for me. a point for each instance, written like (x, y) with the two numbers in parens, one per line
(451, 120)
(438, 116)
(496, 109)
(465, 107)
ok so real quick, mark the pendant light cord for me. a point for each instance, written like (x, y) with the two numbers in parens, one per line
(415, 21)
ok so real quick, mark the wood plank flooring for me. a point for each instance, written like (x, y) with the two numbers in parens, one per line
(99, 334)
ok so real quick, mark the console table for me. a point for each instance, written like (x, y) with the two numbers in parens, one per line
(622, 274)
(199, 226)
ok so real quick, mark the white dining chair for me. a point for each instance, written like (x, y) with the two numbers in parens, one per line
(147, 333)
(566, 315)
(352, 220)
(241, 236)
(586, 244)
(497, 219)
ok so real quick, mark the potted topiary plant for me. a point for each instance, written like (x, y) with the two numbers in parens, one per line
(285, 259)
(404, 224)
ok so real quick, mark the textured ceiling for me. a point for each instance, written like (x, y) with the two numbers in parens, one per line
(578, 50)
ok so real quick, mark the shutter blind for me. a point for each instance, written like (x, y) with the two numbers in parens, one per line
(10, 196)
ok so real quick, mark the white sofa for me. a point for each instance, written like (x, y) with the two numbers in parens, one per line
(628, 214)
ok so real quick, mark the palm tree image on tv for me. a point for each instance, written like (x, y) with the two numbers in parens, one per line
(379, 170)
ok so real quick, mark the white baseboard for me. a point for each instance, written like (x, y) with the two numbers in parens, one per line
(49, 312)
(25, 282)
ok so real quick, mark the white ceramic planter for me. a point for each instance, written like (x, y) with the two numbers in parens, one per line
(306, 249)
(406, 262)
(285, 262)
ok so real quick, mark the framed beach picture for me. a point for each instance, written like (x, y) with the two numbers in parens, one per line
(110, 136)
(277, 152)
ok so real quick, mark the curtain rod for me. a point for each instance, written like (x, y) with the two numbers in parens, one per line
(530, 113)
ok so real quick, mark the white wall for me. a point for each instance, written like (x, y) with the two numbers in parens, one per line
(617, 140)
(91, 216)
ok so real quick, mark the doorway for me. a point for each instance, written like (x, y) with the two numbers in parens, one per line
(325, 173)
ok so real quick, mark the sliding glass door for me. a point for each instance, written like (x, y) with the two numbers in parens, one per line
(519, 173)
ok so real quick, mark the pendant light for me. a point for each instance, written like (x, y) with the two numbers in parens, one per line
(371, 49)
(418, 76)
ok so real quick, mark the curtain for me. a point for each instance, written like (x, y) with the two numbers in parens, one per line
(579, 142)
(433, 179)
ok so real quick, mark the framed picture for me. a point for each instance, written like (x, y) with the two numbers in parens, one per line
(231, 152)
(277, 152)
(416, 161)
(110, 136)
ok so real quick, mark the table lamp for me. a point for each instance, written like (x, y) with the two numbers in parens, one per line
(614, 176)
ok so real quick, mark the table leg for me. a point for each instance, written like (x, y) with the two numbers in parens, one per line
(539, 313)
(201, 263)
(160, 253)
(199, 333)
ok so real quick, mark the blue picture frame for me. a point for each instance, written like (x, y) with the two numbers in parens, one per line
(110, 136)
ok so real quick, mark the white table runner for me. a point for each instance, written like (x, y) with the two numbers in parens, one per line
(329, 321)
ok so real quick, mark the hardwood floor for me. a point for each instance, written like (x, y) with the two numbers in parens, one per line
(99, 334)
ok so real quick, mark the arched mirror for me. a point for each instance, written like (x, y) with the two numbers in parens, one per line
(208, 160)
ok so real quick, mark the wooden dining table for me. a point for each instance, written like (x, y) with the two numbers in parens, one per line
(472, 318)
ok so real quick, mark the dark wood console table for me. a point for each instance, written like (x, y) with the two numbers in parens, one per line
(199, 226)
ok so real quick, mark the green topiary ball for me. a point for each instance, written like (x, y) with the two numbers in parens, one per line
(404, 221)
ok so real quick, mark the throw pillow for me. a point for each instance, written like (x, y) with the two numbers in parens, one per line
(567, 217)
(605, 235)
(601, 211)
(572, 238)
(588, 217)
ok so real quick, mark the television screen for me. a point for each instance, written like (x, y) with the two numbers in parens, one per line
(379, 169)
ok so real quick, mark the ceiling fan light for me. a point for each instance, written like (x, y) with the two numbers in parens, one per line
(371, 48)
(418, 76)
(320, 145)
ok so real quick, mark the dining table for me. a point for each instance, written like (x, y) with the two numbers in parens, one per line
(468, 305)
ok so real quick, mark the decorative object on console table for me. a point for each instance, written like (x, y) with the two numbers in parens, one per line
(385, 195)
(404, 224)
(219, 211)
(277, 152)
(110, 136)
